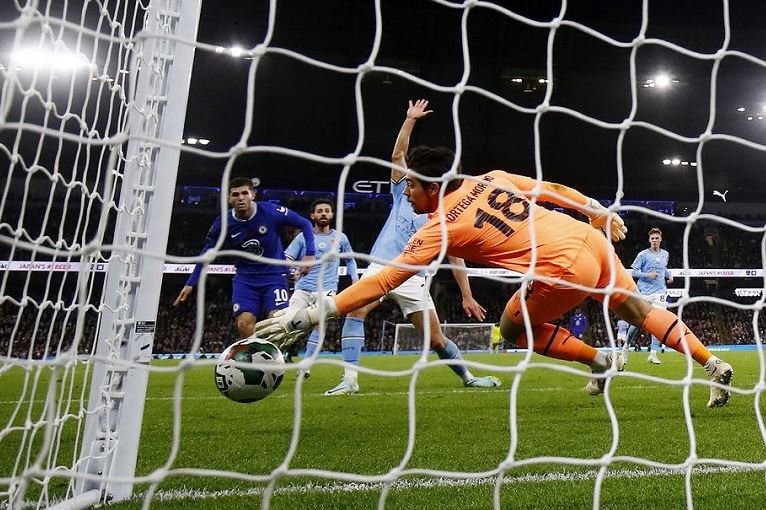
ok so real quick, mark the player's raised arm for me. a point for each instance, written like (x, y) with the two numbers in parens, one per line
(570, 198)
(416, 110)
(471, 307)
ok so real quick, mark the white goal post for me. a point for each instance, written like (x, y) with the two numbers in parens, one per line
(107, 94)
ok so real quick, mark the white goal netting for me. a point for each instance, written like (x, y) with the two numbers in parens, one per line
(106, 390)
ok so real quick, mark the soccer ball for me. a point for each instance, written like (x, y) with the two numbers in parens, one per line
(244, 384)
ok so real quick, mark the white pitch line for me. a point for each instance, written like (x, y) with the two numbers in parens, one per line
(200, 494)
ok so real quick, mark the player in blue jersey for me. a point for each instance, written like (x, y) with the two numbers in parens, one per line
(651, 269)
(322, 279)
(622, 337)
(578, 323)
(258, 289)
(412, 297)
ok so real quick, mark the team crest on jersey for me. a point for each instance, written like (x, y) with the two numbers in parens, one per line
(235, 307)
(322, 245)
(253, 246)
(262, 229)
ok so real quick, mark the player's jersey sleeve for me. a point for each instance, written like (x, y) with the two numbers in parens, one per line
(345, 247)
(397, 187)
(638, 266)
(289, 217)
(210, 239)
(297, 248)
(422, 248)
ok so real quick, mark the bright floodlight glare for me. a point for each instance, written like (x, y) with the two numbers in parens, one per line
(741, 109)
(191, 140)
(203, 141)
(662, 80)
(665, 161)
(749, 117)
(693, 163)
(675, 162)
(236, 51)
(39, 58)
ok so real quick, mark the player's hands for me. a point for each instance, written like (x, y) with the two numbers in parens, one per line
(473, 309)
(289, 324)
(652, 275)
(183, 295)
(669, 279)
(600, 217)
(418, 109)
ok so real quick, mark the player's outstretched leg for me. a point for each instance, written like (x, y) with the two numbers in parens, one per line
(654, 349)
(557, 342)
(674, 334)
(311, 347)
(352, 339)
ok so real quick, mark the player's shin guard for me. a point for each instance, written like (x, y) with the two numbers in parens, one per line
(674, 333)
(451, 351)
(352, 340)
(557, 342)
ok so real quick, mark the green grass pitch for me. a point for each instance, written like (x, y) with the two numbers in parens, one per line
(456, 429)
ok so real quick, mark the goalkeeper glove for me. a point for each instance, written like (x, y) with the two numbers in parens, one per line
(600, 217)
(289, 324)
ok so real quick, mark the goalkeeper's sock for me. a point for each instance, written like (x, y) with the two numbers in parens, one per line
(557, 342)
(451, 351)
(352, 340)
(674, 333)
(312, 342)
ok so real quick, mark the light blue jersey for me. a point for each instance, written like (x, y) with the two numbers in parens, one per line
(328, 271)
(622, 328)
(402, 222)
(649, 261)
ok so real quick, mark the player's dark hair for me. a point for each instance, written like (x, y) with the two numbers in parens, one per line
(238, 182)
(655, 230)
(434, 162)
(320, 201)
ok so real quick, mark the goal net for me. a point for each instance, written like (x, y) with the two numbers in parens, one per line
(468, 337)
(106, 389)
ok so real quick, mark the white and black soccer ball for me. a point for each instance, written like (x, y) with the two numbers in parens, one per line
(240, 383)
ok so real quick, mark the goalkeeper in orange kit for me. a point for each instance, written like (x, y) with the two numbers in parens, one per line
(491, 220)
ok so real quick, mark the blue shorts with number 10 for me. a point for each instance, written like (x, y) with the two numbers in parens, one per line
(258, 295)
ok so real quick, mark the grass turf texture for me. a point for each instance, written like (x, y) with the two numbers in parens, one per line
(457, 429)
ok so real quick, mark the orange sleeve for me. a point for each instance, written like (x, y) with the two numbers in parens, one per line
(422, 248)
(547, 188)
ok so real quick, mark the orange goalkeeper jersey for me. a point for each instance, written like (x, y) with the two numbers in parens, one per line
(490, 222)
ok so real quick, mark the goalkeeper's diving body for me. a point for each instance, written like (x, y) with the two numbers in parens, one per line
(411, 295)
(491, 220)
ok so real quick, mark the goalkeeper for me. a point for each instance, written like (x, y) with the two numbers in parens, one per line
(490, 220)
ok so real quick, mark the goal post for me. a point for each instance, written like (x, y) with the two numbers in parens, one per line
(163, 67)
(468, 337)
(119, 114)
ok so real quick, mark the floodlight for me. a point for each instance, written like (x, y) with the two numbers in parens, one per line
(675, 162)
(662, 80)
(665, 161)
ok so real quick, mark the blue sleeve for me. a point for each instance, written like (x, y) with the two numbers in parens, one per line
(297, 248)
(637, 265)
(397, 188)
(210, 240)
(351, 269)
(296, 220)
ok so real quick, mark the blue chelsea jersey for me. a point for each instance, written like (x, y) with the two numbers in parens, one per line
(258, 235)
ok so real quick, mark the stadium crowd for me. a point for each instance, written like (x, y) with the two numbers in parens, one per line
(710, 245)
